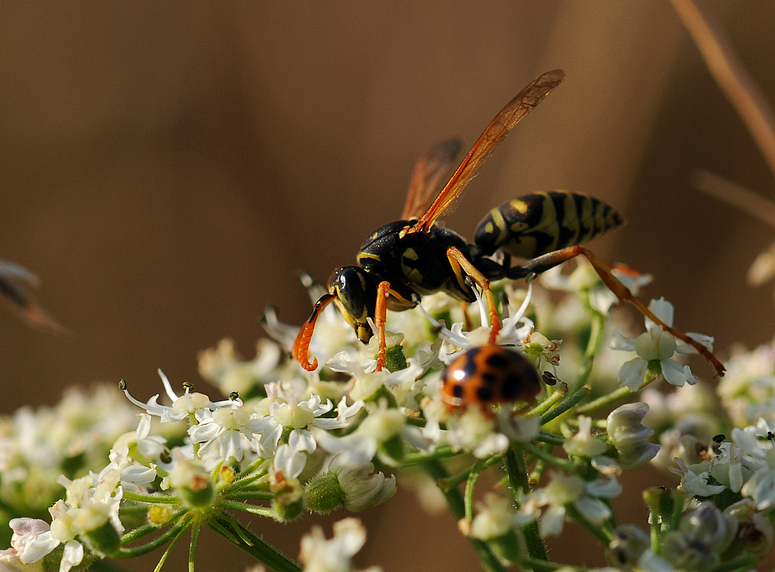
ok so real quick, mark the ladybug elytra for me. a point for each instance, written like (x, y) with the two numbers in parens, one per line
(489, 375)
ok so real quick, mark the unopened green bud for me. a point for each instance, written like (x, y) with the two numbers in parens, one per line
(395, 360)
(324, 493)
(104, 539)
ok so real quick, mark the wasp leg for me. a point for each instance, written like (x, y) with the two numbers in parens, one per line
(461, 265)
(603, 269)
(385, 289)
(304, 337)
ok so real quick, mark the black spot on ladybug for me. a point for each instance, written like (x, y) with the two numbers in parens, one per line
(496, 361)
(512, 386)
(457, 390)
(489, 378)
(484, 393)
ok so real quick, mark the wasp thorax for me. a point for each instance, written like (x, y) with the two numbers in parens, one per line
(356, 297)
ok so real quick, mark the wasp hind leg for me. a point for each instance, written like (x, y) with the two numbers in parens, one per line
(463, 267)
(603, 269)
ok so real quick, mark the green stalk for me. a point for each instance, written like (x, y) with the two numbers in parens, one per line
(195, 530)
(454, 497)
(744, 563)
(596, 531)
(251, 495)
(546, 456)
(593, 347)
(460, 478)
(150, 499)
(604, 401)
(250, 508)
(252, 544)
(565, 405)
(473, 474)
(172, 533)
(518, 479)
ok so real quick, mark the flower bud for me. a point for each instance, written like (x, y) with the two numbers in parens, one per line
(192, 483)
(629, 435)
(324, 493)
(104, 539)
(627, 546)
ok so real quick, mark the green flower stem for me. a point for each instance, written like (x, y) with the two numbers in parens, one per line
(604, 401)
(456, 503)
(172, 533)
(595, 530)
(251, 508)
(254, 495)
(250, 477)
(541, 565)
(150, 499)
(456, 480)
(164, 556)
(252, 544)
(473, 474)
(550, 438)
(565, 405)
(443, 452)
(617, 394)
(518, 479)
(147, 529)
(540, 453)
(195, 530)
(540, 466)
(744, 563)
(544, 406)
(593, 348)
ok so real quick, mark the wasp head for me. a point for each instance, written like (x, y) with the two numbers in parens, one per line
(355, 295)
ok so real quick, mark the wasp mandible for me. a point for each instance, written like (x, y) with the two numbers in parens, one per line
(412, 257)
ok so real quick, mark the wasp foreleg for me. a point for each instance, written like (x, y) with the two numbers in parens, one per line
(304, 337)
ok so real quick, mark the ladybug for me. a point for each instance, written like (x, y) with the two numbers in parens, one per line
(488, 375)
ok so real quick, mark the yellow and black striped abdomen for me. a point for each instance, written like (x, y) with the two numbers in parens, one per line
(543, 222)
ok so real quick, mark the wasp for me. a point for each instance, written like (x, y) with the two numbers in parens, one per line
(407, 259)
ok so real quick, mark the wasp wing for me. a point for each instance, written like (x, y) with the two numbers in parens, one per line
(10, 276)
(427, 176)
(495, 132)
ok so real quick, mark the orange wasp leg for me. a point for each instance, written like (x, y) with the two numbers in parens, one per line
(461, 265)
(380, 317)
(304, 337)
(603, 270)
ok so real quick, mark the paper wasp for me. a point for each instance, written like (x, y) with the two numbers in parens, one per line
(412, 257)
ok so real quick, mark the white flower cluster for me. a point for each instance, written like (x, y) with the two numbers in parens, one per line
(288, 441)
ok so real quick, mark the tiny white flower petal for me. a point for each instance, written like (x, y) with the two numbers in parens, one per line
(619, 342)
(663, 310)
(632, 372)
(596, 511)
(673, 372)
(138, 474)
(551, 523)
(685, 349)
(72, 556)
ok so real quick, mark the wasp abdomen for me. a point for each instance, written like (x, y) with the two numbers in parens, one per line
(543, 222)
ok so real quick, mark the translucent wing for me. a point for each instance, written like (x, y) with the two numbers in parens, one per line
(427, 176)
(10, 288)
(498, 128)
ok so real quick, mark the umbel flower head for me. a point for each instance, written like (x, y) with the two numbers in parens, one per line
(655, 349)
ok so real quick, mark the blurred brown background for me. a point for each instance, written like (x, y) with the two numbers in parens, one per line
(166, 169)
